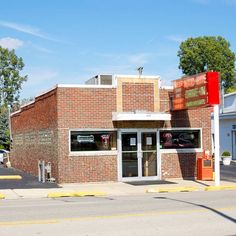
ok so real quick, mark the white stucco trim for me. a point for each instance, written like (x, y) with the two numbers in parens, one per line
(144, 116)
(85, 86)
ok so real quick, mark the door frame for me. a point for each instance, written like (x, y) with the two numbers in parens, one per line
(119, 147)
(234, 144)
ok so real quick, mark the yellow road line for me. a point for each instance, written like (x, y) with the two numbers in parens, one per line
(10, 177)
(89, 218)
(28, 222)
(2, 196)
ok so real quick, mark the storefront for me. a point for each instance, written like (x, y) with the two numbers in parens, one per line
(113, 128)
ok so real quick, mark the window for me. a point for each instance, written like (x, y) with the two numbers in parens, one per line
(180, 139)
(92, 141)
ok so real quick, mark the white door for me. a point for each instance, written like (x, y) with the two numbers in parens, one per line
(138, 155)
(234, 144)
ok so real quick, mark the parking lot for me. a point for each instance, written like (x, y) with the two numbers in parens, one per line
(27, 182)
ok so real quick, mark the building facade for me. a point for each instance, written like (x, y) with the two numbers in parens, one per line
(227, 123)
(113, 128)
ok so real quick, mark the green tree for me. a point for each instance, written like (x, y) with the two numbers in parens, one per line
(208, 54)
(231, 89)
(10, 78)
(4, 129)
(10, 86)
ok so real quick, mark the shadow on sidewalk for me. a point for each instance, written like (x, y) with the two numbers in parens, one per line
(151, 182)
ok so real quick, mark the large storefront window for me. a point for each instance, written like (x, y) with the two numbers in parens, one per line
(180, 139)
(92, 141)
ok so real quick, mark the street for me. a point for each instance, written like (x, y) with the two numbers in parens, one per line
(193, 213)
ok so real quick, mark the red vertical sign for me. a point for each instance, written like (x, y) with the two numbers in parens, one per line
(213, 88)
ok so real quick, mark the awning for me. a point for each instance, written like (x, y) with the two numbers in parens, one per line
(122, 116)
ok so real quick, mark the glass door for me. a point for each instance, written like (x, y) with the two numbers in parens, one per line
(129, 154)
(149, 154)
(138, 156)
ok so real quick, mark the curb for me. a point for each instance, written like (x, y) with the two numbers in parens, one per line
(174, 189)
(2, 196)
(75, 194)
(217, 188)
(10, 177)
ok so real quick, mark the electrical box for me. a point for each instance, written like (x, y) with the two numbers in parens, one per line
(205, 168)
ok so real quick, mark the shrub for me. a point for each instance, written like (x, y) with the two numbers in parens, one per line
(226, 154)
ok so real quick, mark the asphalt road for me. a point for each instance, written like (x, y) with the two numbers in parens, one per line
(27, 182)
(228, 173)
(193, 213)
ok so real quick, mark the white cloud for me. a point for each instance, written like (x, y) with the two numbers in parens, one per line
(230, 2)
(169, 74)
(40, 76)
(23, 28)
(108, 69)
(176, 38)
(202, 2)
(39, 80)
(11, 43)
(28, 30)
(136, 59)
(139, 58)
(39, 48)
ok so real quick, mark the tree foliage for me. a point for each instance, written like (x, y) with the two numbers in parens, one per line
(10, 86)
(208, 54)
(4, 128)
(10, 78)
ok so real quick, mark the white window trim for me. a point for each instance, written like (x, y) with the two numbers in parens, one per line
(184, 150)
(91, 153)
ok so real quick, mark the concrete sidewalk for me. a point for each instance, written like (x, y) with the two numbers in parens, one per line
(111, 188)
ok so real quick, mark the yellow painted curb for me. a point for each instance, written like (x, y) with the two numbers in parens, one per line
(217, 188)
(2, 196)
(10, 177)
(172, 189)
(74, 194)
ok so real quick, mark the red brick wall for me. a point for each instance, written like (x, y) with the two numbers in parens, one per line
(138, 96)
(165, 95)
(76, 108)
(85, 108)
(29, 128)
(179, 165)
(84, 168)
(175, 165)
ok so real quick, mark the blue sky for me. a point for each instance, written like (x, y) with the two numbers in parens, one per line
(69, 41)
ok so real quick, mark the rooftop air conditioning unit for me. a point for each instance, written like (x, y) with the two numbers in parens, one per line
(101, 80)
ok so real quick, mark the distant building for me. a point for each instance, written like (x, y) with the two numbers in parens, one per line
(113, 128)
(228, 124)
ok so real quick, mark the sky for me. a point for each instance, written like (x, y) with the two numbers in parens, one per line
(70, 41)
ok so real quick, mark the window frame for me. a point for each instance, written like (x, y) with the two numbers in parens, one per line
(92, 153)
(181, 150)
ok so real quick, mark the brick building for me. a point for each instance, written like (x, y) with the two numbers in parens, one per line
(113, 128)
